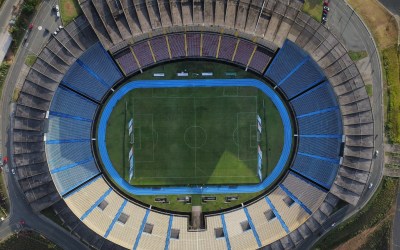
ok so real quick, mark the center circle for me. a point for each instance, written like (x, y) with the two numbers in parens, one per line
(195, 137)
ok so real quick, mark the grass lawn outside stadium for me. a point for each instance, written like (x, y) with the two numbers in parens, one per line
(194, 136)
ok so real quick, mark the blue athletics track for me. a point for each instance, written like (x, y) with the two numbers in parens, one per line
(210, 189)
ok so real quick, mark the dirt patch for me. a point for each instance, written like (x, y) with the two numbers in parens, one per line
(362, 238)
(69, 8)
(359, 240)
(380, 22)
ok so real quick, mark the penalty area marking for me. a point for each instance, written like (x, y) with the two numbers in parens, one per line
(153, 139)
(238, 138)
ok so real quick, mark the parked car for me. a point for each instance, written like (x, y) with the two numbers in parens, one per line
(56, 8)
(370, 185)
(12, 171)
(326, 8)
(5, 159)
(326, 2)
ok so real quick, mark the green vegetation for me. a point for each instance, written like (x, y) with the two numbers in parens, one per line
(18, 30)
(3, 74)
(380, 239)
(193, 135)
(30, 60)
(27, 240)
(385, 31)
(69, 10)
(393, 154)
(392, 166)
(174, 205)
(369, 89)
(4, 206)
(158, 126)
(1, 2)
(357, 55)
(373, 213)
(391, 69)
(16, 93)
(49, 213)
(379, 21)
(195, 68)
(313, 8)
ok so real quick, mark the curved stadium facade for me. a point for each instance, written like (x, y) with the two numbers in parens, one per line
(55, 120)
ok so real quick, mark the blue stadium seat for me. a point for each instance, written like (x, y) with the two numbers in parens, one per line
(82, 81)
(67, 102)
(69, 178)
(318, 170)
(321, 146)
(61, 128)
(287, 59)
(63, 154)
(98, 60)
(318, 98)
(324, 122)
(304, 77)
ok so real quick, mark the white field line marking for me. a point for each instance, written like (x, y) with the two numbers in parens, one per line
(195, 137)
(251, 159)
(201, 176)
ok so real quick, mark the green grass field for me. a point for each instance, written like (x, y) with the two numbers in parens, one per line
(313, 8)
(190, 135)
(119, 146)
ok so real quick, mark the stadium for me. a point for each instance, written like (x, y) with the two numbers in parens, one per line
(193, 125)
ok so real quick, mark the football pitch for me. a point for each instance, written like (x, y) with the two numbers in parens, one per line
(194, 136)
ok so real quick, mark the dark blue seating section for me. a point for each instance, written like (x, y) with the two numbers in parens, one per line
(320, 132)
(293, 70)
(67, 102)
(286, 60)
(325, 122)
(93, 74)
(318, 98)
(82, 81)
(302, 78)
(319, 170)
(98, 60)
(321, 146)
